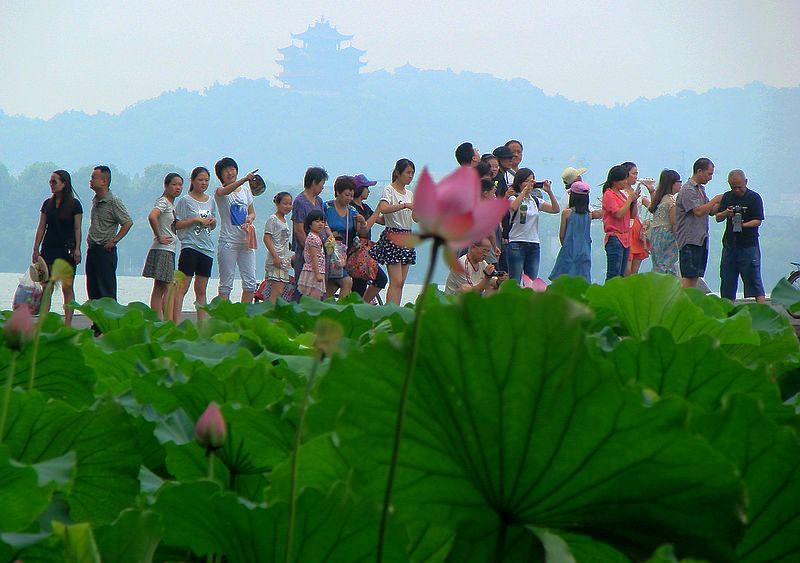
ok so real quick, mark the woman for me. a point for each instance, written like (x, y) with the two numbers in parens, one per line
(396, 206)
(59, 232)
(639, 250)
(575, 256)
(237, 238)
(341, 220)
(367, 288)
(617, 202)
(160, 262)
(664, 248)
(523, 235)
(195, 218)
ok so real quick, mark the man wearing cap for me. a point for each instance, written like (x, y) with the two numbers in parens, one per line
(743, 211)
(505, 176)
(467, 155)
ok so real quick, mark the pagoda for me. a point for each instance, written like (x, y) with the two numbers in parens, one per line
(324, 60)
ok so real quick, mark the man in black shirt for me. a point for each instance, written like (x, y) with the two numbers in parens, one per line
(743, 211)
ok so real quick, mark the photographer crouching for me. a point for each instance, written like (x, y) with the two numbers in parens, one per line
(477, 274)
(743, 210)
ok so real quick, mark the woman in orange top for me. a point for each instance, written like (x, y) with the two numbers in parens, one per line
(617, 201)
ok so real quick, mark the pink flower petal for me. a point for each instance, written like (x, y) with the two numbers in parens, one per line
(452, 260)
(425, 201)
(485, 217)
(459, 191)
(456, 227)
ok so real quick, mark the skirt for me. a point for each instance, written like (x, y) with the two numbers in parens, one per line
(664, 251)
(160, 265)
(387, 252)
(276, 273)
(638, 248)
(307, 281)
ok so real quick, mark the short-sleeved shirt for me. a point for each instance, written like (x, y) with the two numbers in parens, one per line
(613, 226)
(108, 215)
(470, 276)
(166, 225)
(233, 209)
(281, 235)
(196, 236)
(60, 231)
(313, 241)
(300, 208)
(661, 216)
(345, 226)
(689, 228)
(399, 219)
(755, 210)
(529, 230)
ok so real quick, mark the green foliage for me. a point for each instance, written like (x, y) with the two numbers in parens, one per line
(630, 422)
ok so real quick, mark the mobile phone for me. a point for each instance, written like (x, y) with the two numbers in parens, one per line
(538, 185)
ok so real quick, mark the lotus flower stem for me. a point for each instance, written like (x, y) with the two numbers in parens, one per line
(298, 435)
(401, 408)
(12, 364)
(44, 310)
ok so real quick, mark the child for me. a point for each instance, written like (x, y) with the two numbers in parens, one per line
(575, 256)
(312, 278)
(277, 235)
(160, 263)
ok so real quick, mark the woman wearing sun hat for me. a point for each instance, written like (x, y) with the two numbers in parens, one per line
(575, 256)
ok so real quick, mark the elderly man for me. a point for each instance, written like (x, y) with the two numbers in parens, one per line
(691, 227)
(743, 211)
(476, 275)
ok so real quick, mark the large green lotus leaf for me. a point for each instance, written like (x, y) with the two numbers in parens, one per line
(271, 335)
(768, 457)
(697, 370)
(479, 542)
(109, 315)
(787, 295)
(201, 517)
(78, 541)
(132, 538)
(105, 443)
(22, 498)
(778, 347)
(522, 425)
(574, 287)
(646, 300)
(61, 372)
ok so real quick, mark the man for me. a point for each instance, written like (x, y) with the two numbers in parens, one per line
(476, 274)
(516, 150)
(467, 155)
(109, 224)
(692, 209)
(308, 199)
(505, 175)
(743, 211)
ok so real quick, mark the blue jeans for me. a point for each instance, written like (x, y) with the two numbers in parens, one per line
(523, 257)
(744, 261)
(616, 258)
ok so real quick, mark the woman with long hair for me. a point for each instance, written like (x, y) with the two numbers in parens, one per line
(664, 249)
(59, 232)
(617, 201)
(195, 218)
(639, 251)
(396, 206)
(365, 287)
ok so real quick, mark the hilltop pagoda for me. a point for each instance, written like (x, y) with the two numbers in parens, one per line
(324, 60)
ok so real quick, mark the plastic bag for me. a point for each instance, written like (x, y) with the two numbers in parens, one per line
(28, 293)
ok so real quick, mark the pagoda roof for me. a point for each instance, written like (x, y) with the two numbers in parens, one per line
(321, 30)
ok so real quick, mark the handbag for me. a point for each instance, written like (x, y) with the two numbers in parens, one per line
(359, 262)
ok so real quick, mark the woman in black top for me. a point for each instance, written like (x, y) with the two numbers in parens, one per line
(367, 289)
(59, 232)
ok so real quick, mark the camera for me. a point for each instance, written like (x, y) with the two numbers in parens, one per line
(495, 274)
(736, 220)
(538, 185)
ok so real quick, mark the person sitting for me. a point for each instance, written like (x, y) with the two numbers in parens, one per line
(476, 274)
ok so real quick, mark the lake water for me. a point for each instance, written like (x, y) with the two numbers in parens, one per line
(137, 288)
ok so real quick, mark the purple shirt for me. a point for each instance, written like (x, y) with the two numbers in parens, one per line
(300, 208)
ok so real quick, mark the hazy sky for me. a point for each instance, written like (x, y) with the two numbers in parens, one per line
(104, 55)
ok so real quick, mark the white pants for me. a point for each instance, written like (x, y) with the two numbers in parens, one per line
(231, 254)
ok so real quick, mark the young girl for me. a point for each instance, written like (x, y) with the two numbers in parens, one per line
(617, 201)
(195, 218)
(59, 232)
(575, 256)
(277, 235)
(396, 205)
(312, 278)
(664, 248)
(160, 263)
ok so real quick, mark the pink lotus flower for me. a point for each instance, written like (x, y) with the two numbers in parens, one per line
(19, 328)
(538, 285)
(453, 210)
(210, 429)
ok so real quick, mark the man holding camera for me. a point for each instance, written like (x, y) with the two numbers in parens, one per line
(743, 212)
(476, 274)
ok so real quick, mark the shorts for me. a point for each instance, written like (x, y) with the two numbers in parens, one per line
(693, 260)
(50, 256)
(192, 262)
(160, 265)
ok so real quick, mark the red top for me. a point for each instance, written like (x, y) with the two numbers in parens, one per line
(620, 228)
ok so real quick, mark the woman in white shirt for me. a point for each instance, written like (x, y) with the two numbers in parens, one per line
(523, 237)
(396, 206)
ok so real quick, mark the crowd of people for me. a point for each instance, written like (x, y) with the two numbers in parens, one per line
(318, 248)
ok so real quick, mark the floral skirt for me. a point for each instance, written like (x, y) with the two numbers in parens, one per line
(387, 252)
(308, 281)
(664, 251)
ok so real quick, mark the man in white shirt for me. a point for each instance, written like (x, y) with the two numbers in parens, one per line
(476, 275)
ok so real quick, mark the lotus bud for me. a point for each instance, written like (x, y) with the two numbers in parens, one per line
(328, 335)
(19, 328)
(210, 428)
(62, 271)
